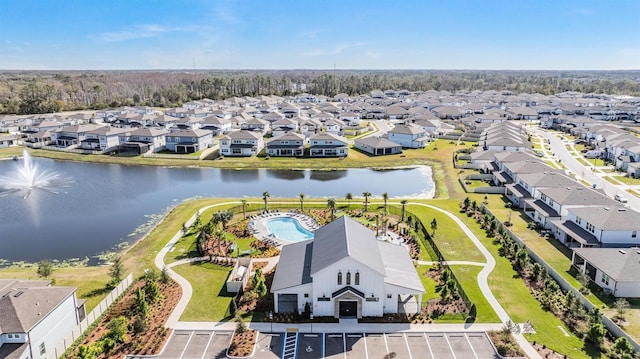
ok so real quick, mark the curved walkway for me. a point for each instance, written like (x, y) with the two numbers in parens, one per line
(483, 277)
(187, 290)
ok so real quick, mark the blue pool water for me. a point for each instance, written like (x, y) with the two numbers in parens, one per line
(288, 229)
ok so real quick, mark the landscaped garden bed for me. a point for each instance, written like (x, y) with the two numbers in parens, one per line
(135, 323)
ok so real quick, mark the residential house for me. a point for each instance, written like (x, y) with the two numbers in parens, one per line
(289, 144)
(310, 126)
(283, 126)
(616, 271)
(553, 203)
(601, 226)
(350, 118)
(8, 140)
(257, 125)
(188, 141)
(408, 136)
(71, 135)
(346, 272)
(328, 145)
(241, 143)
(334, 127)
(35, 317)
(217, 125)
(526, 185)
(377, 146)
(103, 138)
(143, 140)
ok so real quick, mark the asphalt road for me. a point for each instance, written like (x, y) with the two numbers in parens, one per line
(562, 153)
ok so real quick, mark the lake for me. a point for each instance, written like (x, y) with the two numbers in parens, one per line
(110, 206)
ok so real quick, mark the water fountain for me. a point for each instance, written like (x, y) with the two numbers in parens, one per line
(29, 177)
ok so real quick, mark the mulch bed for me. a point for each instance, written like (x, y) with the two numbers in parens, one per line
(153, 339)
(242, 343)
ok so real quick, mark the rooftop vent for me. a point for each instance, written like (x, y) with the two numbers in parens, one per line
(621, 209)
(622, 252)
(18, 294)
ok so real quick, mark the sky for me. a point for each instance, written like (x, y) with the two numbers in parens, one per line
(320, 34)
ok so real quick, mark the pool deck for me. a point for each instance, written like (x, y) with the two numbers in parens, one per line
(257, 225)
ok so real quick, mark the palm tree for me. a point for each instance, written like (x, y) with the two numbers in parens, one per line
(222, 217)
(366, 196)
(331, 202)
(244, 208)
(265, 198)
(403, 202)
(348, 197)
(301, 196)
(385, 197)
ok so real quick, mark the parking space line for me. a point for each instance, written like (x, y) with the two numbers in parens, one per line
(471, 345)
(426, 338)
(446, 338)
(186, 345)
(207, 347)
(386, 346)
(404, 335)
(364, 340)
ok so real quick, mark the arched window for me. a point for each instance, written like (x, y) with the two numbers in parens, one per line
(348, 278)
(339, 278)
(357, 279)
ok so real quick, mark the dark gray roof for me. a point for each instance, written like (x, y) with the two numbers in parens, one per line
(294, 266)
(343, 238)
(616, 264)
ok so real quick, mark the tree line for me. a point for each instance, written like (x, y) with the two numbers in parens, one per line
(46, 92)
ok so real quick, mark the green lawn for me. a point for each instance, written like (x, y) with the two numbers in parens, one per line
(428, 283)
(468, 278)
(210, 300)
(452, 242)
(628, 180)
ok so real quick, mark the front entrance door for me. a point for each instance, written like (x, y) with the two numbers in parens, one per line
(348, 309)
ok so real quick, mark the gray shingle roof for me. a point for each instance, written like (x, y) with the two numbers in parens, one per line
(399, 267)
(295, 269)
(609, 218)
(617, 265)
(23, 305)
(343, 238)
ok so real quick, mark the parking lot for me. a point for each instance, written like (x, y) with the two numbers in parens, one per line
(185, 344)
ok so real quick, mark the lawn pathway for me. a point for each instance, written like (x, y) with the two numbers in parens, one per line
(187, 290)
(483, 280)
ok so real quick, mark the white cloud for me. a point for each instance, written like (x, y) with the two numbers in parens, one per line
(141, 32)
(338, 49)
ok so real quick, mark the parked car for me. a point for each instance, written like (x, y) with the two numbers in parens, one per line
(620, 198)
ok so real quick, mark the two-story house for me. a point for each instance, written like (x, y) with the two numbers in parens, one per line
(290, 144)
(328, 145)
(241, 143)
(188, 141)
(408, 136)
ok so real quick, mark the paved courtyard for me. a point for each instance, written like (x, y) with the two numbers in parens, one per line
(185, 344)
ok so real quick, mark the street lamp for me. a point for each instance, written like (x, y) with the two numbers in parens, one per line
(311, 318)
(271, 320)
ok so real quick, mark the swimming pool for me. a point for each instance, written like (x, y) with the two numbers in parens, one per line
(288, 229)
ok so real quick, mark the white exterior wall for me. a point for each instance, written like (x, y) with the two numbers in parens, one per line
(52, 329)
(506, 148)
(326, 282)
(627, 289)
(617, 237)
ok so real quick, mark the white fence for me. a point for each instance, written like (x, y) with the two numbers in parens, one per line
(92, 317)
(565, 285)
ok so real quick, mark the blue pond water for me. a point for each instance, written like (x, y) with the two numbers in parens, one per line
(288, 229)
